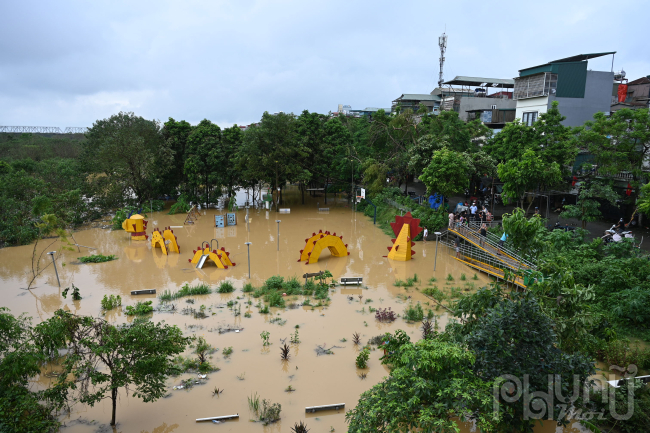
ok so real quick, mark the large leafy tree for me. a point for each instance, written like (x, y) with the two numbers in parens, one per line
(176, 134)
(516, 338)
(271, 152)
(527, 174)
(431, 383)
(448, 172)
(587, 208)
(23, 410)
(127, 155)
(231, 142)
(102, 358)
(620, 142)
(202, 156)
(337, 142)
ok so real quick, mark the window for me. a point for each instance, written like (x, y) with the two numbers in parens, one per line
(529, 118)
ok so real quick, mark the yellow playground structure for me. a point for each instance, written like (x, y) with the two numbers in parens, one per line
(221, 258)
(166, 240)
(319, 241)
(405, 228)
(137, 226)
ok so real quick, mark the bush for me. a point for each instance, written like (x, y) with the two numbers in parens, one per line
(97, 258)
(633, 306)
(248, 287)
(226, 287)
(181, 206)
(362, 358)
(270, 412)
(414, 313)
(140, 309)
(110, 302)
(186, 290)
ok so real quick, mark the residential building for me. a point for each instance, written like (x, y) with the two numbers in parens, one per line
(637, 94)
(580, 92)
(413, 101)
(487, 99)
(368, 111)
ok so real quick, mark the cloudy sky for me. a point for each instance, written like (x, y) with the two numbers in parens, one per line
(69, 63)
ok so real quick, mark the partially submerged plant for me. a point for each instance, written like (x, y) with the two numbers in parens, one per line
(227, 351)
(385, 315)
(427, 329)
(270, 412)
(289, 389)
(299, 428)
(110, 302)
(284, 352)
(356, 338)
(76, 296)
(265, 338)
(362, 358)
(254, 403)
(217, 391)
(363, 375)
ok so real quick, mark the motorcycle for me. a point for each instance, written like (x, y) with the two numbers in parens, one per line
(612, 235)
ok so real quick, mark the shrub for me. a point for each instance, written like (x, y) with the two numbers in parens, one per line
(97, 258)
(110, 302)
(414, 313)
(385, 315)
(362, 358)
(226, 287)
(248, 287)
(181, 206)
(270, 412)
(140, 309)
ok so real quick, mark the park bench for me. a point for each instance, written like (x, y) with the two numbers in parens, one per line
(345, 281)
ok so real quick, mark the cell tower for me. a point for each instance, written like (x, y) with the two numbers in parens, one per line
(442, 43)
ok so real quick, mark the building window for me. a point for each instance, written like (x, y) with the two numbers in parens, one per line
(529, 118)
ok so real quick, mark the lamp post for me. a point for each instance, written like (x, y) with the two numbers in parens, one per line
(435, 261)
(278, 221)
(248, 227)
(248, 245)
(51, 254)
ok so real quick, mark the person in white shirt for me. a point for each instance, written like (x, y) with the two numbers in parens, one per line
(473, 210)
(451, 220)
(424, 236)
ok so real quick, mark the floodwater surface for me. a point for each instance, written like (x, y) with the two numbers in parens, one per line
(252, 368)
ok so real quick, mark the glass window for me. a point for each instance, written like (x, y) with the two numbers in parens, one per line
(529, 118)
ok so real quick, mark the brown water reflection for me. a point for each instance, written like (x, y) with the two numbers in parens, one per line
(317, 379)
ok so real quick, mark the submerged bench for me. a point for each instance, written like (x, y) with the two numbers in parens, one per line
(144, 292)
(326, 407)
(345, 281)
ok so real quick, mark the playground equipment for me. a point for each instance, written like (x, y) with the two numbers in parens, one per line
(220, 257)
(166, 240)
(318, 241)
(136, 225)
(231, 220)
(192, 215)
(405, 228)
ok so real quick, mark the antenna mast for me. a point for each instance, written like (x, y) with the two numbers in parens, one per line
(442, 43)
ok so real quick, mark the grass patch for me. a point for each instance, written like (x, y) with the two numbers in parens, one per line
(226, 287)
(186, 290)
(97, 258)
(435, 293)
(414, 313)
(140, 309)
(248, 287)
(432, 280)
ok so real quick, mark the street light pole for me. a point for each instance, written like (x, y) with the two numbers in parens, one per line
(51, 254)
(435, 262)
(278, 221)
(248, 245)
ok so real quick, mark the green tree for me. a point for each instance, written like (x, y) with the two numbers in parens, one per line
(176, 133)
(587, 208)
(201, 160)
(448, 172)
(620, 142)
(271, 152)
(104, 358)
(431, 382)
(127, 154)
(227, 173)
(526, 174)
(23, 410)
(337, 141)
(516, 338)
(523, 232)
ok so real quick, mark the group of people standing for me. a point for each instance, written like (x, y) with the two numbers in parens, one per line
(460, 217)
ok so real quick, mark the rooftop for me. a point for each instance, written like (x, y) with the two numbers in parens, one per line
(418, 97)
(642, 80)
(461, 80)
(576, 58)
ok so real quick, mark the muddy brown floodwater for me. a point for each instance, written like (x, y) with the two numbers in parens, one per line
(252, 368)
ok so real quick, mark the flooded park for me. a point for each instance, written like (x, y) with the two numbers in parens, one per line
(321, 368)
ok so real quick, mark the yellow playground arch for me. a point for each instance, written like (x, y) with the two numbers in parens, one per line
(166, 240)
(319, 241)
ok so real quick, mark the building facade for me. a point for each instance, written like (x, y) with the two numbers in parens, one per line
(580, 92)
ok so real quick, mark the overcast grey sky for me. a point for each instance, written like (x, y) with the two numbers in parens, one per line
(70, 63)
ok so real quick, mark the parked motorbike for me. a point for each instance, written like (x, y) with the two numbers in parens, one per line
(613, 235)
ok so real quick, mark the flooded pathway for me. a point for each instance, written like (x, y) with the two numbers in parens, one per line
(317, 380)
